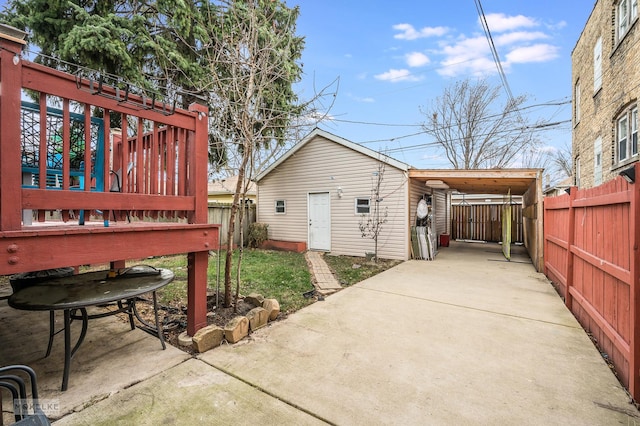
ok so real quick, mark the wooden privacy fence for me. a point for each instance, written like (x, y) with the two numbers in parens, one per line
(591, 255)
(483, 222)
(220, 213)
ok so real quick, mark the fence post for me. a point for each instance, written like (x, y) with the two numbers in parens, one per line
(10, 163)
(634, 296)
(568, 298)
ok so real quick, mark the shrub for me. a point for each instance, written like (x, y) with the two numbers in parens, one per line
(258, 234)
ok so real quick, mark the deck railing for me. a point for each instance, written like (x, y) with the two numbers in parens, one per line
(88, 147)
(159, 171)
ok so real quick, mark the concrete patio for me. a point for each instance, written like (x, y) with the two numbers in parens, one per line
(467, 339)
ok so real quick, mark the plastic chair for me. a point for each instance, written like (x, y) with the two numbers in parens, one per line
(27, 411)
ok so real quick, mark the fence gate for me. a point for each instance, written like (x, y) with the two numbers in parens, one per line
(483, 222)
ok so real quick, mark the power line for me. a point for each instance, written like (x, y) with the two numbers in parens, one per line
(537, 128)
(563, 101)
(494, 51)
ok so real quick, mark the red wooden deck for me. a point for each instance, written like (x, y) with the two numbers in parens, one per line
(162, 160)
(592, 257)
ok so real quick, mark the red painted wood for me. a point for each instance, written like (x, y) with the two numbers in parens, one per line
(169, 177)
(601, 271)
(87, 147)
(138, 155)
(78, 200)
(11, 176)
(197, 290)
(66, 143)
(634, 297)
(42, 152)
(123, 160)
(601, 323)
(196, 154)
(60, 246)
(56, 83)
(106, 120)
(154, 166)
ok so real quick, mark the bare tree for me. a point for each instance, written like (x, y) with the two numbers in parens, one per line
(371, 223)
(471, 133)
(252, 54)
(561, 160)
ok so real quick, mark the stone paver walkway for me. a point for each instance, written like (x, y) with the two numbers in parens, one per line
(324, 281)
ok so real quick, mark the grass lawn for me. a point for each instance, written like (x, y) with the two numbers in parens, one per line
(283, 276)
(350, 270)
(280, 275)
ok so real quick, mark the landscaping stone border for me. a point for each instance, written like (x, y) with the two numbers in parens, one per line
(238, 328)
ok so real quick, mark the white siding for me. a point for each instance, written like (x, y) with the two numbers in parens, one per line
(323, 166)
(417, 190)
(440, 212)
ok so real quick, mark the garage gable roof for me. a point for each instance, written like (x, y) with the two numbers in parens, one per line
(341, 141)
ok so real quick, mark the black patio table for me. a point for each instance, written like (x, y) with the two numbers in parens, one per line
(77, 292)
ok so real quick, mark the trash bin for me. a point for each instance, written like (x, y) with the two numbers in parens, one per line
(444, 240)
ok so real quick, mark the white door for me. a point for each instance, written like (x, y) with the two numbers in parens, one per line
(319, 222)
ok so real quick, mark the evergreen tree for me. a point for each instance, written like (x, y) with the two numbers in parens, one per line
(140, 42)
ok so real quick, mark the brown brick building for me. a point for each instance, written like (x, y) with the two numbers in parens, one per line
(606, 85)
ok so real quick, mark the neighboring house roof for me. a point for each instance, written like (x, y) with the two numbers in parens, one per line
(337, 139)
(228, 186)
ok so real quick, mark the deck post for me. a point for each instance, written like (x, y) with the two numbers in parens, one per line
(11, 44)
(197, 149)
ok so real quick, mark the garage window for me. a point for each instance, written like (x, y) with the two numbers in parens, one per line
(363, 205)
(281, 207)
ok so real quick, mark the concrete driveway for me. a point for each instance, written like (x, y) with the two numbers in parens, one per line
(465, 339)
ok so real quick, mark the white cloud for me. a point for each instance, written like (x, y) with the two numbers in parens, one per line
(476, 66)
(499, 22)
(408, 32)
(466, 56)
(519, 39)
(395, 76)
(535, 53)
(519, 36)
(417, 59)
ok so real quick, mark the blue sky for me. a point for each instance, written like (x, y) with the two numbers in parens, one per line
(394, 57)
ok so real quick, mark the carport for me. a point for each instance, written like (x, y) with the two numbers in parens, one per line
(525, 182)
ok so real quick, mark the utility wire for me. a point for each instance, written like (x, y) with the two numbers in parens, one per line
(494, 51)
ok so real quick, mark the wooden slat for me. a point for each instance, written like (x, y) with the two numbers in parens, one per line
(78, 200)
(80, 245)
(87, 147)
(604, 325)
(42, 79)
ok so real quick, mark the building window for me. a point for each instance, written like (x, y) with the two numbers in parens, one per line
(626, 13)
(597, 159)
(627, 134)
(281, 207)
(634, 131)
(576, 103)
(363, 205)
(577, 175)
(597, 65)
